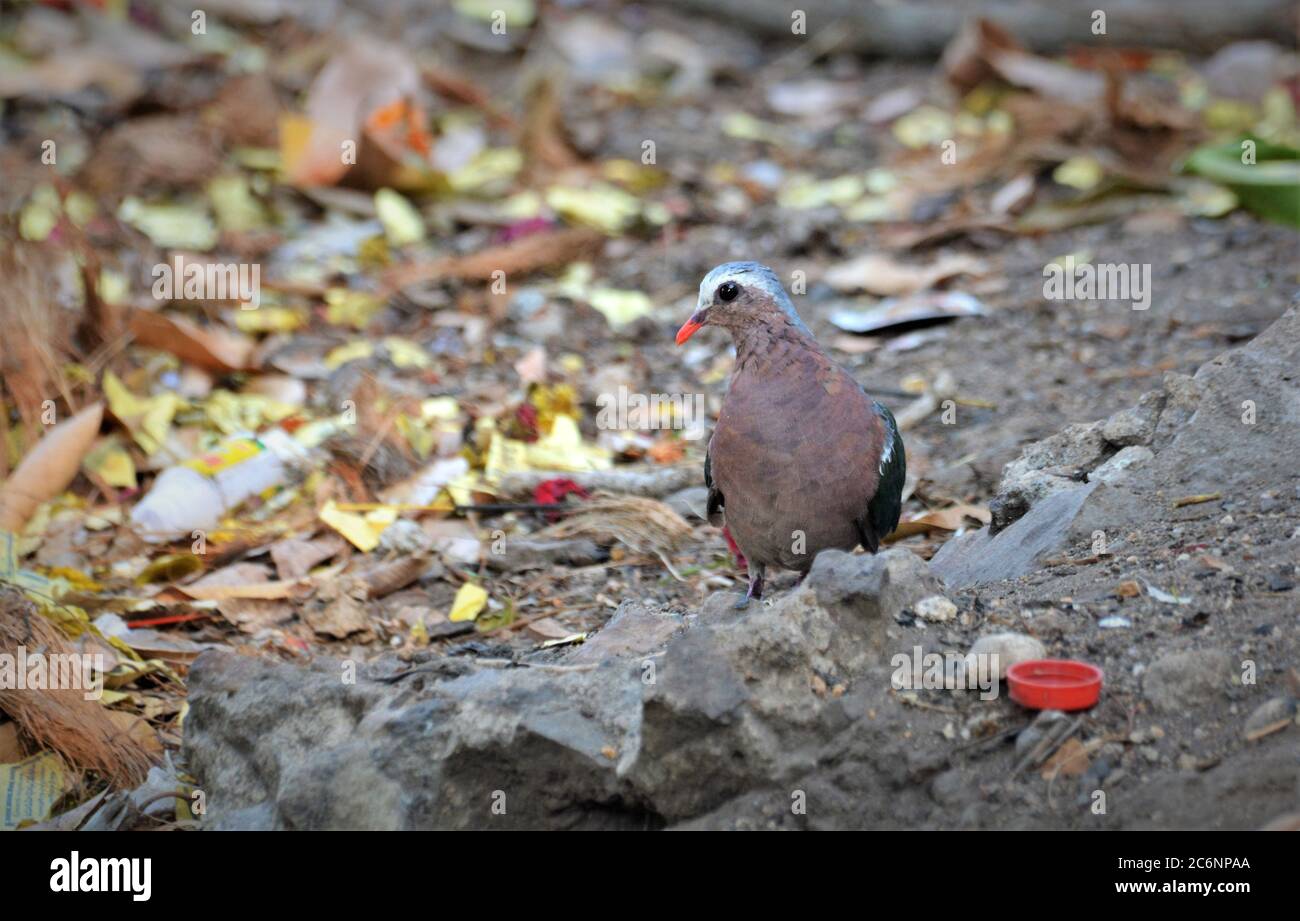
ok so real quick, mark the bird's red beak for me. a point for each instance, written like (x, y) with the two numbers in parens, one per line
(689, 328)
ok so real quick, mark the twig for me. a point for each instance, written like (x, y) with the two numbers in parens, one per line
(1047, 744)
(1198, 499)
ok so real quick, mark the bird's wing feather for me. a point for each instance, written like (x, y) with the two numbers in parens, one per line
(885, 507)
(716, 501)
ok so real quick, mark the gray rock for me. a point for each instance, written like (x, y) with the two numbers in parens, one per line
(980, 556)
(658, 719)
(1118, 467)
(1182, 680)
(863, 595)
(1135, 425)
(936, 609)
(1045, 468)
(1234, 428)
(1182, 397)
(635, 630)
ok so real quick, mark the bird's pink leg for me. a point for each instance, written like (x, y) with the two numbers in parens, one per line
(741, 562)
(755, 586)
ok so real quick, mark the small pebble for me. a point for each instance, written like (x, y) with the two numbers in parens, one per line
(1010, 648)
(935, 609)
(1279, 583)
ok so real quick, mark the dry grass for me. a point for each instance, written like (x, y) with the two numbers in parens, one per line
(643, 525)
(64, 721)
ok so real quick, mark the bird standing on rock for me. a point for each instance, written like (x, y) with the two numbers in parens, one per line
(801, 460)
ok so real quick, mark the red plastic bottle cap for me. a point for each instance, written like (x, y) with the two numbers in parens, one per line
(1054, 684)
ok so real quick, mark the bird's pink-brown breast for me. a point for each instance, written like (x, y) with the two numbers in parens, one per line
(796, 454)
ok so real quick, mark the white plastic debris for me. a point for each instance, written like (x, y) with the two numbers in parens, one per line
(194, 495)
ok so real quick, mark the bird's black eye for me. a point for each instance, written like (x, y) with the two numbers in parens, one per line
(728, 291)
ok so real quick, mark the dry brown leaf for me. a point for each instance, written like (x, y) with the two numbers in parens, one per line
(152, 153)
(945, 519)
(213, 348)
(547, 628)
(49, 468)
(246, 111)
(343, 611)
(667, 450)
(1070, 760)
(266, 591)
(139, 730)
(11, 748)
(294, 558)
(363, 77)
(543, 138)
(398, 573)
(983, 49)
(879, 274)
(248, 614)
(533, 252)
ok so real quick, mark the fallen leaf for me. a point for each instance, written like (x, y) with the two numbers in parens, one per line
(947, 519)
(212, 348)
(148, 419)
(469, 602)
(366, 77)
(138, 729)
(249, 614)
(362, 531)
(1197, 499)
(1070, 760)
(11, 748)
(402, 222)
(260, 591)
(49, 468)
(620, 307)
(879, 274)
(111, 463)
(171, 226)
(294, 557)
(341, 616)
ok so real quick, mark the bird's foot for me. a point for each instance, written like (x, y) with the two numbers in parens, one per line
(755, 589)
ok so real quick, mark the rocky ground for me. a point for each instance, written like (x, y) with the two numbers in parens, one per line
(788, 715)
